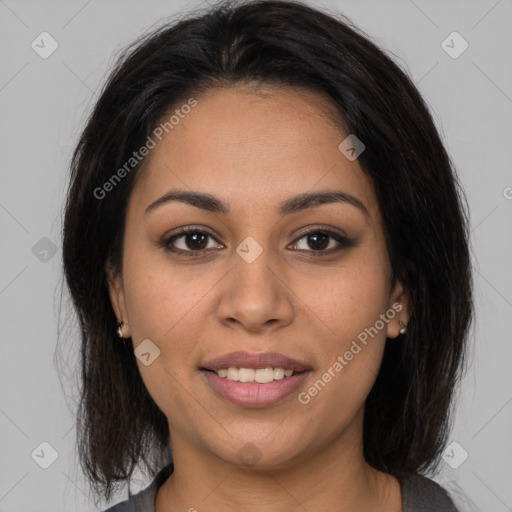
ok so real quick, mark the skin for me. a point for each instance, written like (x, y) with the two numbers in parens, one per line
(255, 149)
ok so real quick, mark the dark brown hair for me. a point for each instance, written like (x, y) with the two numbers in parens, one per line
(280, 43)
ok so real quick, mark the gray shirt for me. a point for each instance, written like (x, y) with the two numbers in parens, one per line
(419, 494)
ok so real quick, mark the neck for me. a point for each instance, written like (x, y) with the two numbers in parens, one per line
(332, 477)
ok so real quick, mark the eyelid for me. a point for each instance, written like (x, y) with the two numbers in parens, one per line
(325, 229)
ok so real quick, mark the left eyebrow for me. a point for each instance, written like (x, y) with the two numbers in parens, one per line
(292, 205)
(310, 200)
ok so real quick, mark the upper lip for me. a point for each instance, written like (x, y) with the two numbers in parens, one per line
(242, 359)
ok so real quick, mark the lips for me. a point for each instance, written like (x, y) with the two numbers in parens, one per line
(252, 394)
(242, 359)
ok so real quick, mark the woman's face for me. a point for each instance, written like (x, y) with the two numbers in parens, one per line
(259, 283)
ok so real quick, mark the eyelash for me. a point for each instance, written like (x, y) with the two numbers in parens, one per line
(342, 240)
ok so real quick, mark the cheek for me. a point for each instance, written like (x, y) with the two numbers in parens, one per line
(351, 353)
(160, 297)
(169, 306)
(163, 307)
(348, 304)
(342, 301)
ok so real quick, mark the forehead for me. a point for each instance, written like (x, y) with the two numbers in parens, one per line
(254, 147)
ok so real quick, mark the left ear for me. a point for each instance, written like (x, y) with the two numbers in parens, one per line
(400, 305)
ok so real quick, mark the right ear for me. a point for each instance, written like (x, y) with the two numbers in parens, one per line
(116, 292)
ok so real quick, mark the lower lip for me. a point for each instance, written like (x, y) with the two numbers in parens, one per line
(254, 394)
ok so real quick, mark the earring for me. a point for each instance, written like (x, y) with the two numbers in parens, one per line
(120, 330)
(403, 327)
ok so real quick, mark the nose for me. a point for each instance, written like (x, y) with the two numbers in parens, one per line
(255, 298)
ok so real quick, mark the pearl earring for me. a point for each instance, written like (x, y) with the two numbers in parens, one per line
(120, 330)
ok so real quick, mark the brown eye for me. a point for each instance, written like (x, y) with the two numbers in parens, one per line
(190, 242)
(322, 242)
(318, 241)
(196, 240)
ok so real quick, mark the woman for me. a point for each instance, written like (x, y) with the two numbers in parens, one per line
(267, 249)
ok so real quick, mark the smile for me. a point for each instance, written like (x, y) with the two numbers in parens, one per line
(241, 387)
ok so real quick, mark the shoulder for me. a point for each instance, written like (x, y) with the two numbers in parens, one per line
(144, 501)
(421, 494)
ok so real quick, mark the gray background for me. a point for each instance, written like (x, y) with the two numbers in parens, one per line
(44, 103)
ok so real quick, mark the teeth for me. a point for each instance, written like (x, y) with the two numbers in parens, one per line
(261, 375)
